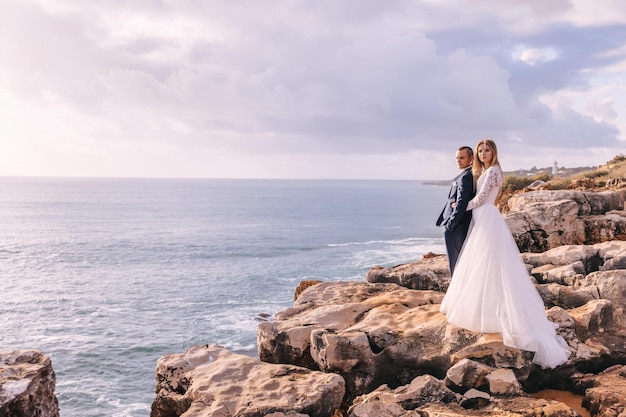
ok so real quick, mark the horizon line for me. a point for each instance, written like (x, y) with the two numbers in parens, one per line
(86, 177)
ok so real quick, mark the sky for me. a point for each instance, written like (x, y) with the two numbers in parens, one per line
(329, 89)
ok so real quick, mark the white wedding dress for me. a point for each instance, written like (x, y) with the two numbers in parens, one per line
(491, 291)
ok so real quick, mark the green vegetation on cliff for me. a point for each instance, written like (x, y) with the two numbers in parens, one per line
(612, 174)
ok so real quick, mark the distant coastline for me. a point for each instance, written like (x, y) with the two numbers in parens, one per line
(560, 172)
(438, 182)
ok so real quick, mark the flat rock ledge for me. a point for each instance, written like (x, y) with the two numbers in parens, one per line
(211, 381)
(27, 383)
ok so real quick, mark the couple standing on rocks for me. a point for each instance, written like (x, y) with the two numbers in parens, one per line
(490, 291)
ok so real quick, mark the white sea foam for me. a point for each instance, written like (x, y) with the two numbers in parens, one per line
(132, 410)
(414, 241)
(391, 255)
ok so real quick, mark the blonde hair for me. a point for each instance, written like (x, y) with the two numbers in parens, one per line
(478, 168)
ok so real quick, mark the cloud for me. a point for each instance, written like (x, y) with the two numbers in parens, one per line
(309, 78)
(535, 56)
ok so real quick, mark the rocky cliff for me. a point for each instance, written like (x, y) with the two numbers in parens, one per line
(382, 348)
(27, 384)
(542, 220)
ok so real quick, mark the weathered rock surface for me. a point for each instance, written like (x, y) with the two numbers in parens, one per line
(344, 327)
(503, 382)
(376, 334)
(542, 220)
(568, 276)
(27, 383)
(211, 381)
(606, 396)
(428, 396)
(588, 202)
(510, 407)
(466, 375)
(474, 398)
(422, 390)
(431, 273)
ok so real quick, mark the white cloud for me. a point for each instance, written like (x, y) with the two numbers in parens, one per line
(595, 13)
(601, 111)
(534, 56)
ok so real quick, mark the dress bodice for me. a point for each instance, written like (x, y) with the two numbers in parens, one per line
(488, 186)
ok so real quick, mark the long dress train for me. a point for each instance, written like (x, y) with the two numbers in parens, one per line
(491, 291)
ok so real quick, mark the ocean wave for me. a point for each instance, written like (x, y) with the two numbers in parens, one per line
(408, 241)
(125, 410)
(393, 254)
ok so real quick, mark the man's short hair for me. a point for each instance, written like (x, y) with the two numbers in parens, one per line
(469, 150)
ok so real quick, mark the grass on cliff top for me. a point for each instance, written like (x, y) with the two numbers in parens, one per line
(615, 169)
(610, 175)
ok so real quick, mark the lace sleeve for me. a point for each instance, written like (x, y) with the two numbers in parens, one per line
(493, 179)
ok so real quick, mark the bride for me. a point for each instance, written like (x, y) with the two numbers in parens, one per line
(491, 291)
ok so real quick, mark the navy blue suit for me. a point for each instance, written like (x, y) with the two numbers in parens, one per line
(455, 217)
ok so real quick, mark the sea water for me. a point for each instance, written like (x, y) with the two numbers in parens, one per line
(107, 275)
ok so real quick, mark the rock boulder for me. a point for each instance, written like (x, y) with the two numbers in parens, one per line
(27, 383)
(606, 392)
(210, 381)
(542, 220)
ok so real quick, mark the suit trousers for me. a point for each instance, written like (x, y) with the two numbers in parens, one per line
(454, 242)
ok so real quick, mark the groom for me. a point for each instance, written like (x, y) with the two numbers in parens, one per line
(454, 216)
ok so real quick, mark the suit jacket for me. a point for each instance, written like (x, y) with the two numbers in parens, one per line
(461, 192)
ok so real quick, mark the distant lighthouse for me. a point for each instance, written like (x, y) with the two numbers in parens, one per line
(555, 168)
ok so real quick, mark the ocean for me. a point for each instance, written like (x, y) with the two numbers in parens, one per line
(107, 275)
